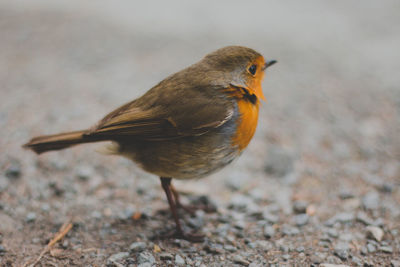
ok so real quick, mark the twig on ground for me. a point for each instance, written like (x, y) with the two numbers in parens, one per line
(64, 229)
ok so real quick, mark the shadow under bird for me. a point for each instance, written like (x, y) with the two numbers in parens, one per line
(191, 124)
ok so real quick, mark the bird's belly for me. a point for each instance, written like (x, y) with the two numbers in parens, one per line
(185, 158)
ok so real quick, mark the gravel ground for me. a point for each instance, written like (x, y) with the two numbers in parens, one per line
(319, 184)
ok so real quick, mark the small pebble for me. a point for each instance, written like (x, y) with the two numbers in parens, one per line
(13, 171)
(344, 217)
(386, 249)
(30, 217)
(240, 260)
(395, 263)
(2, 249)
(290, 230)
(332, 232)
(240, 225)
(256, 264)
(300, 206)
(345, 194)
(269, 231)
(264, 245)
(146, 257)
(375, 233)
(301, 219)
(212, 249)
(356, 260)
(179, 260)
(387, 188)
(362, 217)
(240, 202)
(342, 250)
(371, 200)
(137, 246)
(84, 173)
(271, 218)
(115, 258)
(317, 257)
(230, 248)
(371, 248)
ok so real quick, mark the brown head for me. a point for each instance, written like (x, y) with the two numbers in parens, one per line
(243, 67)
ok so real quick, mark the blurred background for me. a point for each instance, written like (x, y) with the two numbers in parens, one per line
(328, 132)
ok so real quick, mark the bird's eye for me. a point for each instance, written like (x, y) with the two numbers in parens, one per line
(253, 69)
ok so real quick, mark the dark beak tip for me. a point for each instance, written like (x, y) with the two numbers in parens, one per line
(270, 63)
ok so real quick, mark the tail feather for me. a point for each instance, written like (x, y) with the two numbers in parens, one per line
(46, 143)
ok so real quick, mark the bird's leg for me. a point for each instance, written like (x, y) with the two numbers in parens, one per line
(166, 185)
(191, 209)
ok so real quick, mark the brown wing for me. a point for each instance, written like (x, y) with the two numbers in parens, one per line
(166, 114)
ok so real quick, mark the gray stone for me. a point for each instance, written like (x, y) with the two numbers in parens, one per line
(342, 250)
(356, 260)
(240, 224)
(269, 217)
(343, 217)
(2, 249)
(179, 260)
(240, 202)
(239, 259)
(300, 206)
(13, 170)
(395, 263)
(84, 173)
(371, 200)
(348, 236)
(269, 231)
(116, 258)
(375, 232)
(126, 214)
(386, 249)
(362, 217)
(290, 230)
(264, 245)
(30, 217)
(230, 248)
(146, 257)
(137, 246)
(256, 264)
(211, 248)
(301, 219)
(345, 194)
(196, 222)
(317, 257)
(332, 232)
(371, 248)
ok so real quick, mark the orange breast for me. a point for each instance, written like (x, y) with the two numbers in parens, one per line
(247, 124)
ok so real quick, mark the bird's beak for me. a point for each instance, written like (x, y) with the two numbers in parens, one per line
(269, 63)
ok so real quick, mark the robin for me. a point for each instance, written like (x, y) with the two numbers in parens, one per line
(191, 124)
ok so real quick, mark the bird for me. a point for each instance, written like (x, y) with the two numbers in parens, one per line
(189, 125)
